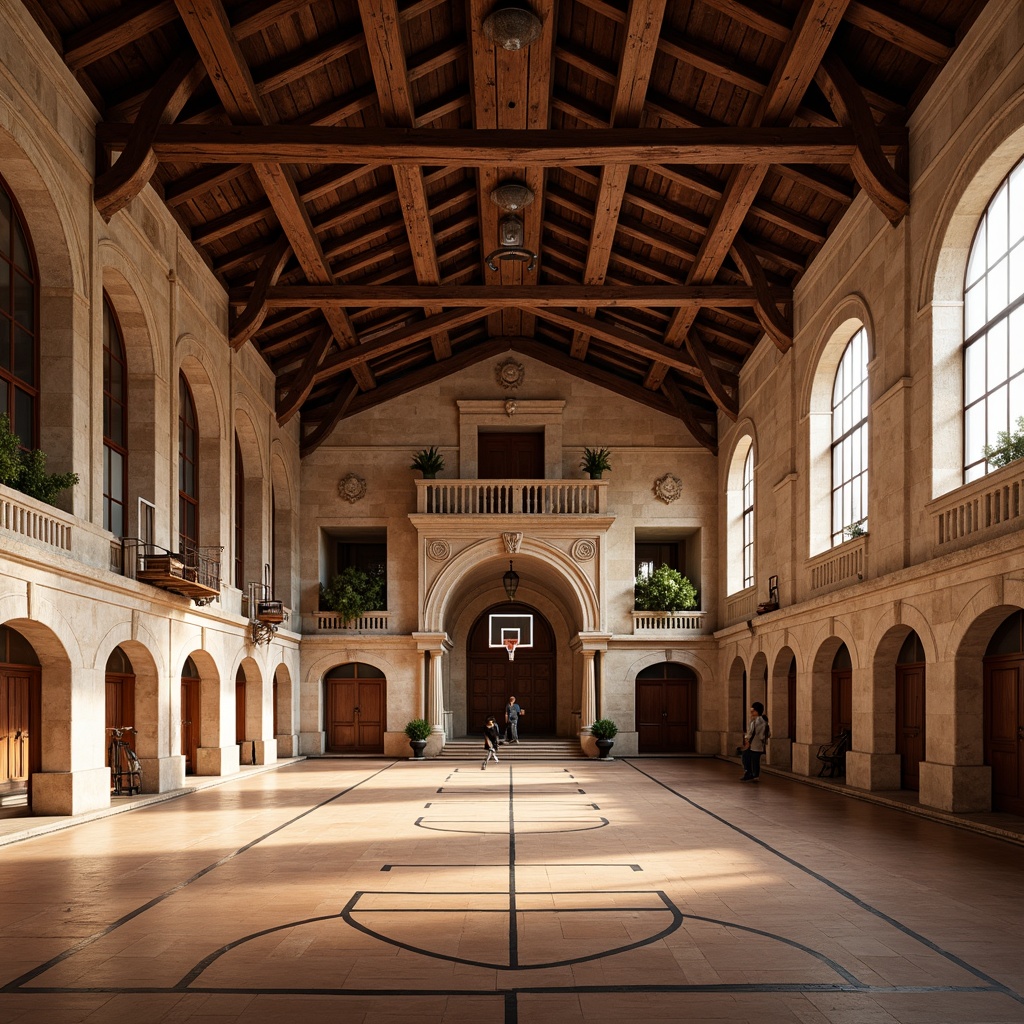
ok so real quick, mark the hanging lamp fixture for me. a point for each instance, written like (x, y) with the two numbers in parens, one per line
(512, 28)
(510, 581)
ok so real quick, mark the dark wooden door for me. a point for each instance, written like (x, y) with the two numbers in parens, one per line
(20, 749)
(120, 690)
(510, 456)
(910, 719)
(1004, 730)
(240, 708)
(666, 711)
(842, 700)
(791, 701)
(191, 720)
(355, 716)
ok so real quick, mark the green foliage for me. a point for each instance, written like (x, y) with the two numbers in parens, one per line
(1009, 449)
(665, 590)
(596, 460)
(604, 729)
(417, 729)
(26, 471)
(353, 592)
(854, 529)
(428, 461)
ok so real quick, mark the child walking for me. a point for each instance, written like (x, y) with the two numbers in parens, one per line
(490, 742)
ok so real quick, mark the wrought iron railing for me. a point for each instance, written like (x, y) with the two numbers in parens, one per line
(196, 567)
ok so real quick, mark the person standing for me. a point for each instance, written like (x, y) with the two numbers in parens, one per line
(490, 742)
(513, 712)
(754, 743)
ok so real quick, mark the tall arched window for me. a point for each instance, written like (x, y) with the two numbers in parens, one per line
(188, 468)
(850, 440)
(748, 519)
(19, 324)
(115, 424)
(239, 517)
(993, 324)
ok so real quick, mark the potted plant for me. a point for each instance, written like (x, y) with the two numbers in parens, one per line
(603, 731)
(429, 461)
(352, 592)
(854, 530)
(1009, 449)
(417, 730)
(25, 471)
(664, 590)
(595, 461)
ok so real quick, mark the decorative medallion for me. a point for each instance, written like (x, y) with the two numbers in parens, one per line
(510, 407)
(439, 550)
(512, 542)
(583, 550)
(510, 373)
(352, 488)
(668, 489)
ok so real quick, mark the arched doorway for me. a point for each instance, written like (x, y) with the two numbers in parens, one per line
(666, 708)
(240, 706)
(354, 701)
(1004, 714)
(191, 714)
(120, 697)
(491, 678)
(20, 713)
(842, 691)
(910, 714)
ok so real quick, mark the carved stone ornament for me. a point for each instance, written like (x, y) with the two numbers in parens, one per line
(512, 542)
(439, 550)
(583, 550)
(352, 488)
(510, 373)
(668, 488)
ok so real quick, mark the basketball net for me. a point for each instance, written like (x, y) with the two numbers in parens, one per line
(510, 646)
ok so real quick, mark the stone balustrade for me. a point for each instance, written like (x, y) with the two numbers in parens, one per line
(741, 606)
(368, 622)
(651, 623)
(511, 497)
(979, 511)
(839, 566)
(34, 520)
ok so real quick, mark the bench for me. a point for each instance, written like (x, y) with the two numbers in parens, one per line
(832, 755)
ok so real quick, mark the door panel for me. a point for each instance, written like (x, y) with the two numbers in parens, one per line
(842, 700)
(1004, 731)
(371, 715)
(648, 714)
(354, 711)
(120, 695)
(910, 719)
(666, 715)
(510, 456)
(240, 710)
(191, 720)
(19, 715)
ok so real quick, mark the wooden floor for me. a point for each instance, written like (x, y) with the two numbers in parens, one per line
(380, 892)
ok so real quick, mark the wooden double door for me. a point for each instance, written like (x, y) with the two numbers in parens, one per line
(354, 715)
(910, 723)
(1004, 730)
(20, 711)
(666, 709)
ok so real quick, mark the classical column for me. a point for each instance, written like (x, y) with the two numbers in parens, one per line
(589, 702)
(435, 692)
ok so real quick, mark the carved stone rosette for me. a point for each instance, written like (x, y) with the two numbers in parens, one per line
(512, 542)
(668, 488)
(510, 374)
(439, 550)
(352, 488)
(583, 550)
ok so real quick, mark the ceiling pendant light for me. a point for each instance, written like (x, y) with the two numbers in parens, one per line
(512, 28)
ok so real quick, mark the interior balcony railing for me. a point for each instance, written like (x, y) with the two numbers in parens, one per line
(512, 497)
(680, 623)
(193, 572)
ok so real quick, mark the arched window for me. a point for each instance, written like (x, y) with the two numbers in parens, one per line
(115, 424)
(239, 517)
(188, 468)
(19, 324)
(748, 519)
(993, 325)
(850, 441)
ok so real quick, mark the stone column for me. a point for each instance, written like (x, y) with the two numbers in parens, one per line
(435, 692)
(874, 763)
(435, 645)
(589, 702)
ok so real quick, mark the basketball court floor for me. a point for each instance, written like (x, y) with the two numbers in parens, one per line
(378, 892)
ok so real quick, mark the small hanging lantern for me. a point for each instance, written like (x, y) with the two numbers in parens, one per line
(510, 581)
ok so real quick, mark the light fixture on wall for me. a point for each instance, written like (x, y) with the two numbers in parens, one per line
(510, 581)
(512, 28)
(510, 197)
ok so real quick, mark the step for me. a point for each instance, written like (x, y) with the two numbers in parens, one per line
(524, 750)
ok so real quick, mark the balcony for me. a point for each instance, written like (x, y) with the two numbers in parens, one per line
(367, 623)
(676, 624)
(838, 567)
(512, 497)
(983, 510)
(193, 573)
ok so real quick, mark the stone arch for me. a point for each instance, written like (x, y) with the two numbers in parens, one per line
(989, 157)
(283, 523)
(287, 719)
(130, 301)
(257, 698)
(757, 679)
(779, 710)
(735, 720)
(815, 405)
(701, 668)
(211, 429)
(479, 564)
(254, 474)
(745, 443)
(211, 729)
(825, 646)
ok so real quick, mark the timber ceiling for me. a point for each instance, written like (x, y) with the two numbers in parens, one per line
(333, 162)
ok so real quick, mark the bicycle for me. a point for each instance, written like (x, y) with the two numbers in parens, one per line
(125, 766)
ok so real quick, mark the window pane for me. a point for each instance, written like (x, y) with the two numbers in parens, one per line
(1016, 399)
(5, 223)
(24, 356)
(997, 283)
(24, 418)
(996, 352)
(1016, 343)
(21, 259)
(997, 414)
(24, 302)
(1016, 205)
(116, 525)
(974, 432)
(5, 286)
(976, 264)
(974, 310)
(1017, 273)
(5, 342)
(116, 488)
(996, 217)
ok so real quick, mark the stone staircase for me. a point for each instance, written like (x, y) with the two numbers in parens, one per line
(524, 750)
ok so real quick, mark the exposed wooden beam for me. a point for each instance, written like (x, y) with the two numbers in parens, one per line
(777, 326)
(249, 320)
(902, 28)
(498, 296)
(288, 403)
(276, 144)
(701, 434)
(309, 442)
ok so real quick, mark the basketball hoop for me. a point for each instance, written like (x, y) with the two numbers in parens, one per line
(510, 645)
